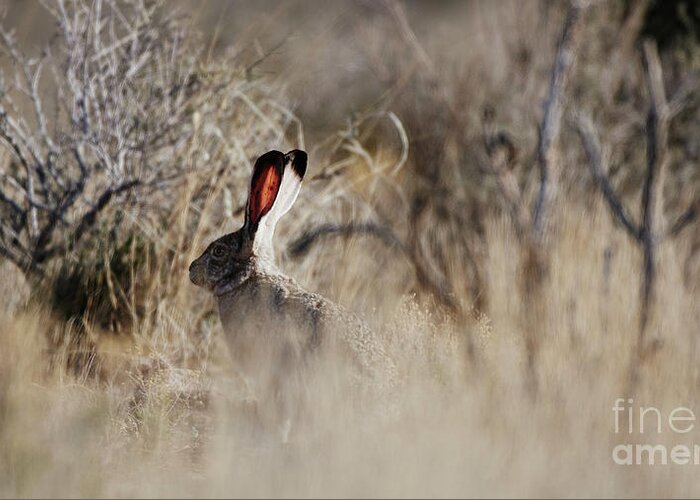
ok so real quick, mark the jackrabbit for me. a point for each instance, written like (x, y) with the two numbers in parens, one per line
(276, 330)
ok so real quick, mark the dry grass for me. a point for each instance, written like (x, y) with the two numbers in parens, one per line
(456, 429)
(134, 394)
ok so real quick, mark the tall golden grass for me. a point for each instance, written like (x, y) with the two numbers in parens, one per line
(458, 426)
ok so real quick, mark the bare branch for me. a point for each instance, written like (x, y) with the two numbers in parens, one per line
(654, 78)
(551, 120)
(12, 247)
(16, 212)
(685, 219)
(651, 228)
(33, 204)
(681, 96)
(7, 252)
(27, 190)
(657, 142)
(88, 220)
(591, 145)
(301, 246)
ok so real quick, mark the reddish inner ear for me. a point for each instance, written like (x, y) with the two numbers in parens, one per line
(263, 192)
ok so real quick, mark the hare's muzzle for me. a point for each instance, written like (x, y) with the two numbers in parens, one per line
(197, 273)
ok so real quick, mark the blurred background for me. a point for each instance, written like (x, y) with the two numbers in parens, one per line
(506, 191)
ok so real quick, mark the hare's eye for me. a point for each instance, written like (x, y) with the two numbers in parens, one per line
(218, 251)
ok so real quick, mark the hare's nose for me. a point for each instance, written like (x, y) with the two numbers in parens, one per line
(195, 272)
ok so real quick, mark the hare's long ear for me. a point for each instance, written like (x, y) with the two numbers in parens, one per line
(264, 188)
(274, 188)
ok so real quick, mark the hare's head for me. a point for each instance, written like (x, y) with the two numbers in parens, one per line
(229, 261)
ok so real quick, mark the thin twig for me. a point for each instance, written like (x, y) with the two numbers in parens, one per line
(591, 145)
(551, 120)
(301, 246)
(685, 219)
(88, 220)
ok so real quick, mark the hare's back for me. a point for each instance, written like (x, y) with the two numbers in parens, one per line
(278, 317)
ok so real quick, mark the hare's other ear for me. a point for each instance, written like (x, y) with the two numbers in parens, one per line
(264, 188)
(297, 159)
(294, 170)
